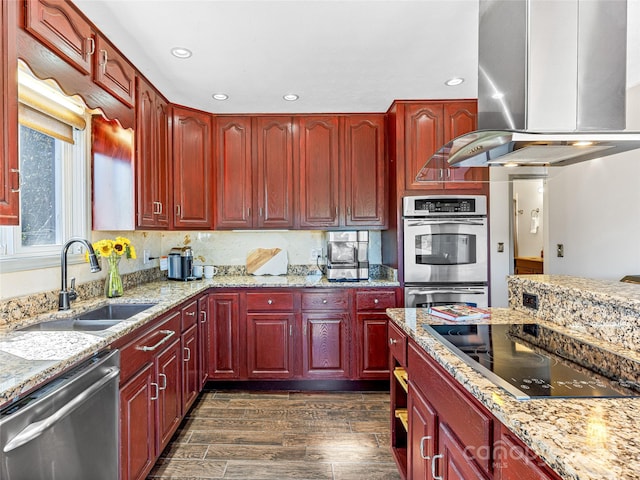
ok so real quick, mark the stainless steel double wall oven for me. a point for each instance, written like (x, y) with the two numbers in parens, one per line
(445, 250)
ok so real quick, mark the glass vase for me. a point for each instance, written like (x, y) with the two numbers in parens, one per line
(113, 284)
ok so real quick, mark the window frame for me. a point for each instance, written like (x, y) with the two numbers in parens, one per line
(75, 212)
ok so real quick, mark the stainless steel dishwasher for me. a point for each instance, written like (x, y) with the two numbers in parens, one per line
(67, 429)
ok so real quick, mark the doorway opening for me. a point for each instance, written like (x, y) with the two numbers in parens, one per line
(527, 224)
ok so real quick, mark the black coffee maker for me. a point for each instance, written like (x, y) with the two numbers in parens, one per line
(180, 263)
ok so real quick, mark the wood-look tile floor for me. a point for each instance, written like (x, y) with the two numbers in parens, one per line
(282, 436)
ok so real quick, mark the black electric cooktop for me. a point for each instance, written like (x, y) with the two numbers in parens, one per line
(532, 361)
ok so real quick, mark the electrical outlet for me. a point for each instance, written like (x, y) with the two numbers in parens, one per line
(145, 256)
(530, 300)
(500, 247)
(315, 254)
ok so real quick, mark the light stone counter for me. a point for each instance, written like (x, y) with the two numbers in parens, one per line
(30, 358)
(581, 439)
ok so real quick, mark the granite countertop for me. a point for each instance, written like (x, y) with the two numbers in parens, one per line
(581, 439)
(29, 358)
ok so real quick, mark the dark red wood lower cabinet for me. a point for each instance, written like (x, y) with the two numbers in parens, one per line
(223, 339)
(325, 348)
(372, 346)
(137, 425)
(270, 351)
(169, 411)
(190, 370)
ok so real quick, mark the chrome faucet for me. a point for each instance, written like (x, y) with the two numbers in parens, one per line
(66, 296)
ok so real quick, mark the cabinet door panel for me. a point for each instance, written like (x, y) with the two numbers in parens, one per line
(192, 169)
(319, 163)
(270, 345)
(365, 171)
(190, 378)
(9, 176)
(169, 368)
(146, 137)
(423, 440)
(423, 136)
(223, 335)
(517, 462)
(325, 345)
(454, 463)
(372, 346)
(113, 72)
(234, 184)
(461, 118)
(274, 180)
(60, 27)
(137, 425)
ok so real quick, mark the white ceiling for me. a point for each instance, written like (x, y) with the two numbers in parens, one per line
(337, 55)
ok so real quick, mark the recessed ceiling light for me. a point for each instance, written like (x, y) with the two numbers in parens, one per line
(290, 97)
(452, 82)
(582, 143)
(181, 52)
(220, 96)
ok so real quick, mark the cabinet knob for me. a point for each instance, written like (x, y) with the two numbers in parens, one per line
(270, 302)
(324, 300)
(392, 341)
(191, 314)
(376, 301)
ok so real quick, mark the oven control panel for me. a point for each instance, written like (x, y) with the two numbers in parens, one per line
(434, 205)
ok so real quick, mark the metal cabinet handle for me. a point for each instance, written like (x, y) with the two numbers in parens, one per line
(204, 317)
(178, 210)
(392, 341)
(188, 350)
(290, 330)
(105, 58)
(36, 429)
(324, 300)
(167, 335)
(191, 314)
(270, 302)
(433, 466)
(92, 44)
(422, 454)
(157, 391)
(17, 172)
(164, 383)
(376, 301)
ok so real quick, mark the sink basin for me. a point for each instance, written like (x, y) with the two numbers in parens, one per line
(94, 320)
(115, 311)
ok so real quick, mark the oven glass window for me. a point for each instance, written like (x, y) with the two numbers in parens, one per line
(445, 249)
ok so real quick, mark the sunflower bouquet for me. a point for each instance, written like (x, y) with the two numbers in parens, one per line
(113, 251)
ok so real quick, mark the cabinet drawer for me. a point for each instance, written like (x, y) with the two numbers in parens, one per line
(398, 344)
(270, 302)
(189, 315)
(471, 424)
(141, 350)
(375, 300)
(325, 300)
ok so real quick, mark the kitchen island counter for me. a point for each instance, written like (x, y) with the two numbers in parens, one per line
(30, 358)
(580, 439)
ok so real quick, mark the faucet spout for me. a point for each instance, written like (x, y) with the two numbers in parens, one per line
(66, 296)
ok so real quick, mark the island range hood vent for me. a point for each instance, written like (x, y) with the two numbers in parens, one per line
(551, 85)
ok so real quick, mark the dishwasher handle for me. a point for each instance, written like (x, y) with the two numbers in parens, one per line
(36, 429)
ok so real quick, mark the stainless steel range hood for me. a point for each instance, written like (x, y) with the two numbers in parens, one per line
(551, 85)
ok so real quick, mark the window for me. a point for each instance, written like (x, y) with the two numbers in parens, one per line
(54, 182)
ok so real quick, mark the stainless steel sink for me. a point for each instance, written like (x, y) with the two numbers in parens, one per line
(93, 320)
(115, 311)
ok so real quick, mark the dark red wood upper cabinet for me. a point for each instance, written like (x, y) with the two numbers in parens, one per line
(234, 172)
(424, 133)
(192, 169)
(274, 187)
(62, 29)
(365, 171)
(319, 171)
(153, 158)
(113, 72)
(9, 163)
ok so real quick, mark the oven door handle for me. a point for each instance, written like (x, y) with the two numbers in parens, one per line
(424, 223)
(453, 290)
